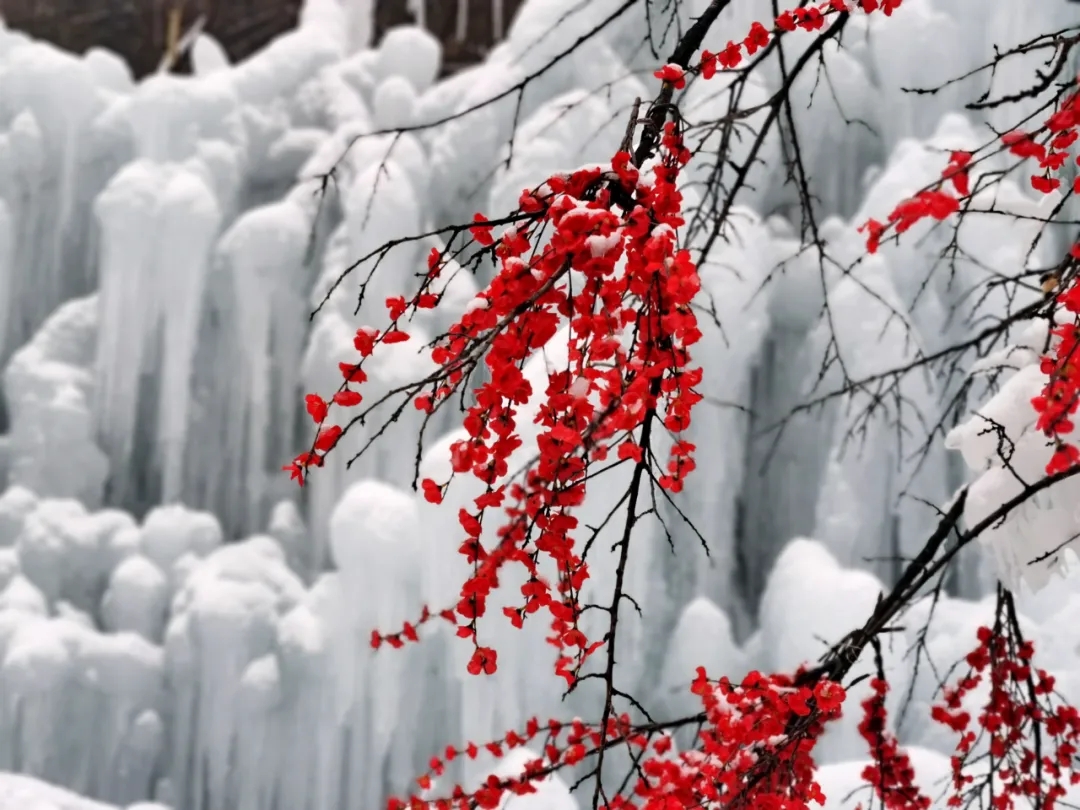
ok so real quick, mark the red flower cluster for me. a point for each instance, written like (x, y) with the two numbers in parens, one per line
(805, 18)
(1032, 742)
(1059, 399)
(755, 748)
(929, 203)
(754, 751)
(1048, 145)
(610, 390)
(1060, 396)
(890, 772)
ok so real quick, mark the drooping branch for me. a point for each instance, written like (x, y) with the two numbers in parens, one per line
(658, 111)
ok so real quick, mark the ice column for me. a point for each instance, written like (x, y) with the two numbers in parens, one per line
(158, 223)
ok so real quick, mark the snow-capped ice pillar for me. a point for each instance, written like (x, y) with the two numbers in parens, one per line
(360, 21)
(732, 338)
(168, 115)
(783, 467)
(884, 466)
(410, 52)
(827, 136)
(461, 150)
(62, 681)
(384, 456)
(158, 223)
(137, 599)
(126, 213)
(16, 504)
(330, 343)
(190, 219)
(374, 538)
(49, 388)
(49, 171)
(225, 617)
(7, 275)
(287, 526)
(943, 39)
(382, 206)
(208, 56)
(376, 210)
(262, 255)
(68, 553)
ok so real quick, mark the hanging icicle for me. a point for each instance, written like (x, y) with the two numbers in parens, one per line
(462, 32)
(497, 21)
(418, 9)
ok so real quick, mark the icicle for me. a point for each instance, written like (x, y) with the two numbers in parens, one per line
(50, 169)
(374, 537)
(877, 472)
(497, 21)
(225, 617)
(7, 279)
(418, 8)
(461, 30)
(190, 221)
(252, 364)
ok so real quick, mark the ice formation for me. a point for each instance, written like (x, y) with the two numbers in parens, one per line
(49, 386)
(19, 792)
(204, 642)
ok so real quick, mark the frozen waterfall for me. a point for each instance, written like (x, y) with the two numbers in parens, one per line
(178, 624)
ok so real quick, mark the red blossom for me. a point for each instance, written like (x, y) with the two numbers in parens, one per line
(672, 74)
(348, 399)
(957, 172)
(757, 39)
(481, 231)
(1018, 712)
(433, 493)
(364, 340)
(730, 57)
(708, 64)
(396, 307)
(316, 408)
